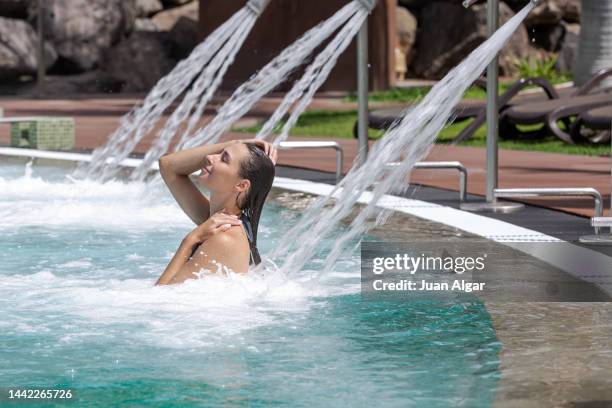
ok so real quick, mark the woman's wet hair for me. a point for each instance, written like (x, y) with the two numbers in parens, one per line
(258, 168)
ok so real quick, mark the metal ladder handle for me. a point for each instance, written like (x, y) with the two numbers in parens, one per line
(554, 192)
(319, 145)
(452, 165)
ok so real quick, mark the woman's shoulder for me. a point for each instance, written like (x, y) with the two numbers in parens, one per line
(234, 236)
(228, 248)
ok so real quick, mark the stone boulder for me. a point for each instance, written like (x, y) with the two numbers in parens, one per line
(184, 37)
(81, 30)
(553, 11)
(18, 49)
(166, 19)
(146, 8)
(569, 49)
(88, 82)
(139, 61)
(14, 8)
(175, 3)
(449, 32)
(145, 24)
(547, 36)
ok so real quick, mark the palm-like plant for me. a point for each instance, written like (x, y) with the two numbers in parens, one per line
(595, 43)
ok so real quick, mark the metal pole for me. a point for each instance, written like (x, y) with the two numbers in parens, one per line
(491, 203)
(362, 92)
(41, 50)
(492, 105)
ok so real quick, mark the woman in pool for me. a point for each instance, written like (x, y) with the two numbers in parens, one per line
(239, 175)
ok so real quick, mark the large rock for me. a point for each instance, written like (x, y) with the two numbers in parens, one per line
(449, 32)
(139, 61)
(145, 24)
(146, 8)
(88, 82)
(553, 11)
(165, 20)
(82, 30)
(18, 49)
(548, 36)
(174, 3)
(184, 37)
(569, 49)
(14, 8)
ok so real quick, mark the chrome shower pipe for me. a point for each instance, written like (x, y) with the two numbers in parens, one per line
(368, 4)
(468, 3)
(258, 6)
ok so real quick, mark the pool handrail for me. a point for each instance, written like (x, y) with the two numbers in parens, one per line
(319, 145)
(554, 192)
(444, 165)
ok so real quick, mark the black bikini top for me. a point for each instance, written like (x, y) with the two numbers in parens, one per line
(249, 231)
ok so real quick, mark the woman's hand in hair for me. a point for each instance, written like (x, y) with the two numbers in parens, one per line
(218, 222)
(266, 146)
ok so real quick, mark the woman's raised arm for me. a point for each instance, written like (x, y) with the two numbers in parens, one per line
(175, 169)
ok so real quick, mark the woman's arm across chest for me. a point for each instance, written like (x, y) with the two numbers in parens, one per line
(220, 251)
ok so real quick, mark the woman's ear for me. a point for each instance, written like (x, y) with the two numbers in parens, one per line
(243, 185)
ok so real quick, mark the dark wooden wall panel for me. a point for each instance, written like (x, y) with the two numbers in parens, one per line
(285, 20)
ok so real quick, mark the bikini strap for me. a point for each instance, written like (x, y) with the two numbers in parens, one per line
(249, 231)
(247, 225)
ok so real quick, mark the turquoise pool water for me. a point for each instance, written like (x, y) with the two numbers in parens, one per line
(78, 261)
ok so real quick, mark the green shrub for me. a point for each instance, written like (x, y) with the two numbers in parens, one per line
(542, 68)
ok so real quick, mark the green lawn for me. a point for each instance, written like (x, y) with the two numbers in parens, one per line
(339, 124)
(415, 93)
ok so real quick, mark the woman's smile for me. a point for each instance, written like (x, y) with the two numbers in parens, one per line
(207, 169)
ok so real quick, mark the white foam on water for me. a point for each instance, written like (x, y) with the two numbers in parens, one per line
(197, 313)
(106, 288)
(116, 205)
(79, 263)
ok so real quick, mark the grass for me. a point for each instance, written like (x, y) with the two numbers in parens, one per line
(339, 124)
(322, 123)
(416, 93)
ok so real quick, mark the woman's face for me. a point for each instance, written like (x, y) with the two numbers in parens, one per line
(220, 174)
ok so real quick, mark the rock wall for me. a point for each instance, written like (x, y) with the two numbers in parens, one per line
(447, 32)
(94, 45)
(18, 49)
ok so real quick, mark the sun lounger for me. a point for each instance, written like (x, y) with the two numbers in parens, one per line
(511, 97)
(383, 118)
(598, 118)
(537, 113)
(593, 115)
(532, 113)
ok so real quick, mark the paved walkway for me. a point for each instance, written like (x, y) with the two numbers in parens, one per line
(97, 117)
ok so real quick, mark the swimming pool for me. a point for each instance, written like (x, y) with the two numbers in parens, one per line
(78, 261)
